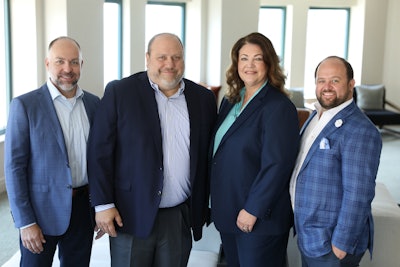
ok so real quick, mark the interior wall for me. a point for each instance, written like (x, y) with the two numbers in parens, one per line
(223, 31)
(392, 52)
(90, 37)
(374, 41)
(133, 39)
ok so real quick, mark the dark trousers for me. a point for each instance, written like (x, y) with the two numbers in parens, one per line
(74, 246)
(251, 250)
(330, 260)
(168, 245)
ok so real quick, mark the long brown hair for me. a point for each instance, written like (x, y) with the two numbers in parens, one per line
(275, 74)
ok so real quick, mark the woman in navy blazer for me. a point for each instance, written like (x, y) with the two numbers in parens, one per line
(254, 148)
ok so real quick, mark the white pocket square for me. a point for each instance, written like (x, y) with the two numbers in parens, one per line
(324, 144)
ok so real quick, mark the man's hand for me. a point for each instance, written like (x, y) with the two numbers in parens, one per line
(245, 221)
(340, 254)
(99, 233)
(32, 238)
(105, 221)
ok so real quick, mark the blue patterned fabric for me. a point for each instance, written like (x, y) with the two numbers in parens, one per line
(336, 185)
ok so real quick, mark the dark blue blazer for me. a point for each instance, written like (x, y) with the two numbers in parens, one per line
(125, 152)
(38, 176)
(252, 166)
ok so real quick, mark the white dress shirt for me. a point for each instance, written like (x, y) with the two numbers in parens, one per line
(311, 132)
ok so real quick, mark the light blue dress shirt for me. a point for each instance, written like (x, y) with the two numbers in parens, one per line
(74, 122)
(175, 132)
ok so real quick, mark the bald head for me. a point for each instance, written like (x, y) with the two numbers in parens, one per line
(165, 63)
(164, 37)
(63, 64)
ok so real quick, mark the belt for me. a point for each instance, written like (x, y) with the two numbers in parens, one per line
(79, 191)
(186, 202)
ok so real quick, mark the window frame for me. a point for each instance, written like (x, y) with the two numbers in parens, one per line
(120, 36)
(8, 60)
(180, 4)
(283, 36)
(308, 92)
(347, 33)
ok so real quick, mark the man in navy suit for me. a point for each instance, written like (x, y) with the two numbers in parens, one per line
(147, 159)
(45, 163)
(333, 183)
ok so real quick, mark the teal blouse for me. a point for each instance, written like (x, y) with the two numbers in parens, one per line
(231, 117)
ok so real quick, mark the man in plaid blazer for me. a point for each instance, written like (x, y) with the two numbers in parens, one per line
(333, 182)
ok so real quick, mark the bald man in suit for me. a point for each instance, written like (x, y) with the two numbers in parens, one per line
(45, 163)
(333, 183)
(148, 160)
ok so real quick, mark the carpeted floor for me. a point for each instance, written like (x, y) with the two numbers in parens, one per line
(388, 173)
(8, 233)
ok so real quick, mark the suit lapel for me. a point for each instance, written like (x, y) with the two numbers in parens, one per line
(252, 106)
(307, 122)
(89, 107)
(328, 130)
(151, 110)
(194, 111)
(46, 103)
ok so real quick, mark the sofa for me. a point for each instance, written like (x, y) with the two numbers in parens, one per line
(386, 215)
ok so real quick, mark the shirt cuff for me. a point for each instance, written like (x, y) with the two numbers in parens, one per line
(104, 207)
(26, 226)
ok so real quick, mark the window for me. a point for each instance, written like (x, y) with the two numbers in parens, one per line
(5, 65)
(271, 23)
(112, 40)
(327, 35)
(165, 17)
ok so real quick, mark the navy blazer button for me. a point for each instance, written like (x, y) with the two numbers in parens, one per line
(159, 193)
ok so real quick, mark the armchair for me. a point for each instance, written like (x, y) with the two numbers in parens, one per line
(297, 96)
(372, 100)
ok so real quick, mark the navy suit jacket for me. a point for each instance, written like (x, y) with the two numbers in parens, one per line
(38, 176)
(336, 184)
(252, 165)
(125, 152)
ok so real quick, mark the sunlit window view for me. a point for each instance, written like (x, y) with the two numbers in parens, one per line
(327, 34)
(164, 18)
(271, 23)
(112, 58)
(3, 81)
(168, 17)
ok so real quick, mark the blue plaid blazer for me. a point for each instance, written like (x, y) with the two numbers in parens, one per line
(336, 185)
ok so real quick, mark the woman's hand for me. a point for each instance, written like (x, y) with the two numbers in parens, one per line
(245, 221)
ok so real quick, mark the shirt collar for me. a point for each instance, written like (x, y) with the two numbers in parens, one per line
(157, 89)
(332, 111)
(243, 90)
(55, 93)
